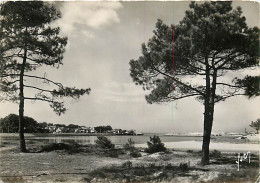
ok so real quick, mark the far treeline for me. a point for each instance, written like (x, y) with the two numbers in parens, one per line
(10, 124)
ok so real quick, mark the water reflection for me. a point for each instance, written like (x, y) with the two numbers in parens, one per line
(117, 140)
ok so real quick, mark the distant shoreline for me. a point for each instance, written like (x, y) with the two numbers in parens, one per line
(66, 134)
(112, 134)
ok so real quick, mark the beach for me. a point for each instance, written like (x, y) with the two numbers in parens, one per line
(90, 166)
(225, 146)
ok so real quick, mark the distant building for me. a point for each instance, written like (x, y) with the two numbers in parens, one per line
(60, 129)
(117, 131)
(84, 129)
(52, 128)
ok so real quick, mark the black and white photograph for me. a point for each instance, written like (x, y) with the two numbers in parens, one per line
(129, 91)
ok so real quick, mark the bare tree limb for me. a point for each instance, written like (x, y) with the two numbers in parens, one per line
(48, 80)
(41, 99)
(225, 84)
(27, 86)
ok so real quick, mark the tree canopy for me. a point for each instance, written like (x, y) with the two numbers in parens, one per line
(194, 58)
(255, 125)
(212, 39)
(27, 42)
(103, 129)
(10, 124)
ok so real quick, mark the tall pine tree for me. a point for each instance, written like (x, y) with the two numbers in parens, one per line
(27, 42)
(211, 41)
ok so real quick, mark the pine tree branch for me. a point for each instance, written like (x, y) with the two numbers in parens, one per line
(41, 99)
(181, 83)
(227, 60)
(48, 80)
(12, 82)
(37, 77)
(223, 58)
(172, 98)
(43, 90)
(8, 75)
(190, 70)
(13, 55)
(225, 84)
(191, 95)
(225, 97)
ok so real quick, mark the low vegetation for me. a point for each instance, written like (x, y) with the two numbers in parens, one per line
(165, 167)
(155, 145)
(133, 151)
(71, 148)
(104, 143)
(129, 145)
(105, 147)
(255, 125)
(130, 173)
(215, 154)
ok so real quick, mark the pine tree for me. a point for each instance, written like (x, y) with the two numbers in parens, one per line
(210, 42)
(27, 42)
(256, 125)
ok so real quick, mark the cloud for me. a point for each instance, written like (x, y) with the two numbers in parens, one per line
(79, 16)
(120, 92)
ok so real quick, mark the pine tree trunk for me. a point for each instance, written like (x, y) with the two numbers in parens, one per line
(209, 105)
(21, 106)
(208, 121)
(21, 124)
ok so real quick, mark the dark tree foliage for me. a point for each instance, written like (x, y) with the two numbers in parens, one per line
(10, 124)
(43, 125)
(256, 125)
(212, 41)
(104, 143)
(73, 126)
(250, 84)
(27, 42)
(155, 145)
(129, 145)
(103, 129)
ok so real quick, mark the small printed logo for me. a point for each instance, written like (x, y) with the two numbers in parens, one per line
(241, 158)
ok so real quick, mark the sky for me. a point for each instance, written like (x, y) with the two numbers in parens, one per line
(102, 38)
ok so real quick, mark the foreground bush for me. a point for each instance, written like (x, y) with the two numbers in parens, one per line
(184, 167)
(130, 146)
(104, 143)
(155, 145)
(70, 148)
(135, 153)
(128, 172)
(215, 154)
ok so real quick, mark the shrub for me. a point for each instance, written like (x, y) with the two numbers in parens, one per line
(155, 145)
(184, 167)
(104, 143)
(98, 173)
(129, 146)
(135, 153)
(215, 154)
(127, 164)
(113, 153)
(70, 148)
(54, 147)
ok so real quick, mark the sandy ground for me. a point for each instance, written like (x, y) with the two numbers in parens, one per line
(51, 166)
(59, 166)
(196, 145)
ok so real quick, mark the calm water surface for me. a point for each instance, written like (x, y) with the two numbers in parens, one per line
(118, 140)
